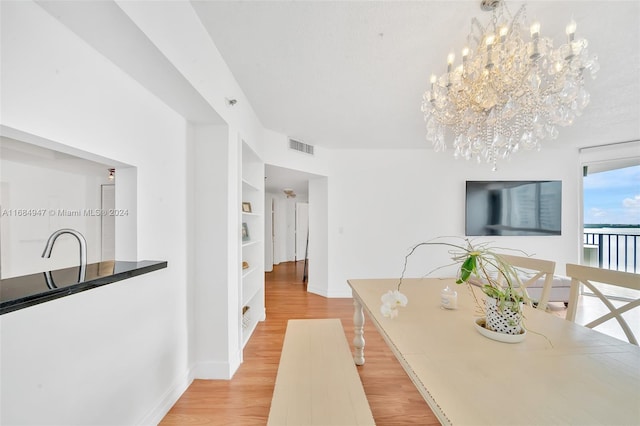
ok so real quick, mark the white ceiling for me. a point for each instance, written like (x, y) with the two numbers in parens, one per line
(352, 74)
(279, 178)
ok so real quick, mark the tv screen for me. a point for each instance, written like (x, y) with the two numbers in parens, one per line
(513, 207)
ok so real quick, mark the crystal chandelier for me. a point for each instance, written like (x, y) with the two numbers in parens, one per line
(512, 90)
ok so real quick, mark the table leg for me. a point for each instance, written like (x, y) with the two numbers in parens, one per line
(358, 325)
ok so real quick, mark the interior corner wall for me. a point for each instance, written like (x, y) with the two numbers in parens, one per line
(216, 245)
(234, 263)
(268, 232)
(191, 233)
(320, 263)
(280, 225)
(72, 360)
(383, 202)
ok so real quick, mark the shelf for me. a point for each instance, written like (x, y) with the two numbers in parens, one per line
(248, 271)
(249, 185)
(250, 290)
(247, 332)
(251, 286)
(254, 314)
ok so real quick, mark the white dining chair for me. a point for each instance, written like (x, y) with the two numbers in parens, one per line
(586, 276)
(530, 271)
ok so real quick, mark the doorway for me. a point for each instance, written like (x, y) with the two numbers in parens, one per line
(297, 225)
(611, 209)
(611, 226)
(611, 216)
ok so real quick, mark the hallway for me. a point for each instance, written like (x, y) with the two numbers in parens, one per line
(245, 400)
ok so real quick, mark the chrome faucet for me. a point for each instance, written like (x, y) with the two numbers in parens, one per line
(83, 249)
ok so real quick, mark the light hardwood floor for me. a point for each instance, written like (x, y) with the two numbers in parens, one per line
(245, 399)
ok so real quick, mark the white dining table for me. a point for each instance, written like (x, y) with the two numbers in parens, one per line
(561, 373)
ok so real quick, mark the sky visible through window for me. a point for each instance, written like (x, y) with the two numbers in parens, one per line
(613, 197)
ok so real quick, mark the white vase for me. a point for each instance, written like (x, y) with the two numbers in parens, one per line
(505, 319)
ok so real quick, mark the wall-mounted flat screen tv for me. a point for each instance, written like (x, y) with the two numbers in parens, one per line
(513, 207)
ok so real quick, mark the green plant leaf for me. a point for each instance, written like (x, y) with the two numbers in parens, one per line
(467, 268)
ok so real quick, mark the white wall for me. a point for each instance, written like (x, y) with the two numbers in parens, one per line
(382, 202)
(117, 354)
(301, 229)
(379, 203)
(268, 237)
(280, 225)
(216, 258)
(318, 279)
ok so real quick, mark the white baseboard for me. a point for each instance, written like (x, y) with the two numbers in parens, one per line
(205, 370)
(168, 400)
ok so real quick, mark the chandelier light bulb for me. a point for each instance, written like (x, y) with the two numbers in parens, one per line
(451, 58)
(571, 30)
(503, 33)
(535, 29)
(511, 92)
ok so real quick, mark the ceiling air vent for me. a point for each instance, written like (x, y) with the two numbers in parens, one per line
(300, 146)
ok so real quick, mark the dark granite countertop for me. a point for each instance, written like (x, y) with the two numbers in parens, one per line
(28, 290)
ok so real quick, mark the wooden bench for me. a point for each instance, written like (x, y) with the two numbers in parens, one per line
(317, 381)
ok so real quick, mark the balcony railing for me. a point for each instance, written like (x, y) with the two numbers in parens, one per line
(611, 251)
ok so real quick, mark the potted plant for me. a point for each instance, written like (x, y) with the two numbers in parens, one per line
(482, 265)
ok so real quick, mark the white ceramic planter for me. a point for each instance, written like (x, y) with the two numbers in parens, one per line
(503, 319)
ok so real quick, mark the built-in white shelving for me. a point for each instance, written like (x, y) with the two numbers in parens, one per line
(252, 308)
(248, 271)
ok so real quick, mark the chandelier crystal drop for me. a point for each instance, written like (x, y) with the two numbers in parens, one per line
(511, 91)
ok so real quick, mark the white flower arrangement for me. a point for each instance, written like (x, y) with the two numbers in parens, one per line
(391, 301)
